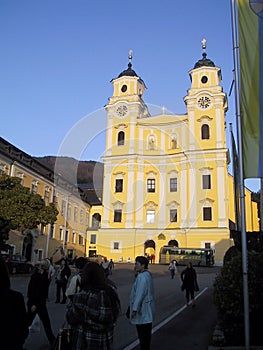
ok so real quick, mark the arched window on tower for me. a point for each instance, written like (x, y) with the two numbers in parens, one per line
(121, 138)
(205, 132)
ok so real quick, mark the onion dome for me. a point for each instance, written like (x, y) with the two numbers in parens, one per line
(128, 72)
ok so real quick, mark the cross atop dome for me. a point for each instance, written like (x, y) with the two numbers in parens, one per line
(130, 56)
(204, 45)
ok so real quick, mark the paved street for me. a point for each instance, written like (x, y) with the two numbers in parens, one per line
(170, 302)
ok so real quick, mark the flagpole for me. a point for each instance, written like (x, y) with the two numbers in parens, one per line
(242, 191)
(261, 204)
(236, 181)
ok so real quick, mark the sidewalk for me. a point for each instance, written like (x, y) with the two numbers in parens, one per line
(190, 330)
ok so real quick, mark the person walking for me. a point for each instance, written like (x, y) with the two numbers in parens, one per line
(105, 265)
(93, 311)
(62, 277)
(190, 285)
(142, 306)
(172, 268)
(111, 266)
(13, 320)
(37, 294)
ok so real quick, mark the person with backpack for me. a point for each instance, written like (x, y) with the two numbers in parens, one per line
(74, 284)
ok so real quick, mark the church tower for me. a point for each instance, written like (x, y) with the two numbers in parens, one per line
(125, 108)
(208, 180)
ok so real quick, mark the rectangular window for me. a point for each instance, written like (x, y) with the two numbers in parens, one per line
(151, 185)
(42, 229)
(117, 215)
(51, 231)
(173, 184)
(63, 207)
(87, 218)
(206, 182)
(66, 236)
(74, 237)
(81, 240)
(75, 214)
(116, 245)
(40, 254)
(150, 216)
(173, 215)
(18, 174)
(34, 187)
(55, 201)
(207, 245)
(61, 234)
(46, 196)
(207, 214)
(81, 216)
(92, 239)
(119, 185)
(69, 212)
(2, 170)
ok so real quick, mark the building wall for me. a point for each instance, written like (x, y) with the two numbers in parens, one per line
(47, 241)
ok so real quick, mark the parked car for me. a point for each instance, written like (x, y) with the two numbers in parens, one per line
(18, 264)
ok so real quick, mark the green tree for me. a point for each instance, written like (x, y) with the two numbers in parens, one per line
(228, 298)
(20, 209)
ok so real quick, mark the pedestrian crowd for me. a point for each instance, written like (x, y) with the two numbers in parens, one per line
(93, 304)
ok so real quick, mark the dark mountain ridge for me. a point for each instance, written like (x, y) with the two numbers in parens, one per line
(84, 173)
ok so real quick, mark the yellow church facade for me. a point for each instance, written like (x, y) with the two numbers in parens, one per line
(166, 176)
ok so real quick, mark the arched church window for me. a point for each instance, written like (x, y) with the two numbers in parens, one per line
(205, 132)
(121, 138)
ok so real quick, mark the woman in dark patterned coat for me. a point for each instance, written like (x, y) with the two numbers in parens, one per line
(93, 311)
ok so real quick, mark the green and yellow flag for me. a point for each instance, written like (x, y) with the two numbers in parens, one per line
(250, 33)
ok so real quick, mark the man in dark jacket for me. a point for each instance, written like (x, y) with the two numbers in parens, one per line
(189, 279)
(13, 321)
(37, 295)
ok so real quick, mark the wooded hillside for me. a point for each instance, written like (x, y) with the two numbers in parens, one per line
(89, 172)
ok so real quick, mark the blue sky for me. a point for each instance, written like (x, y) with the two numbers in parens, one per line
(59, 56)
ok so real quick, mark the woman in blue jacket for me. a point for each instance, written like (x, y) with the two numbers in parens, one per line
(142, 302)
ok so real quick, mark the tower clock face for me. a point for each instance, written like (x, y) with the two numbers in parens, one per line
(121, 111)
(204, 102)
